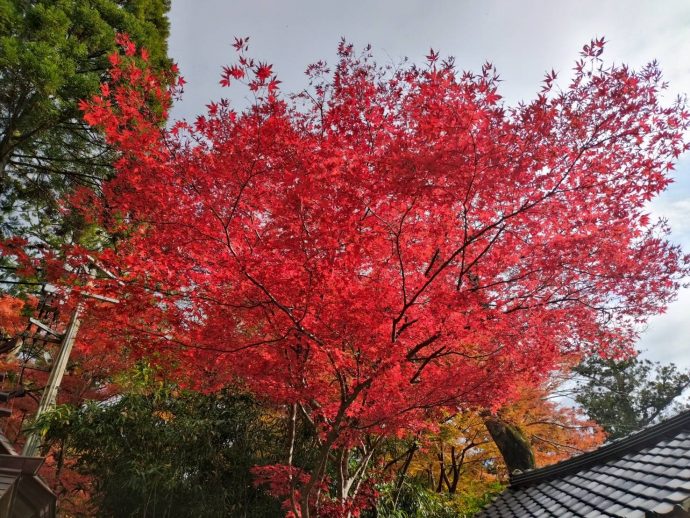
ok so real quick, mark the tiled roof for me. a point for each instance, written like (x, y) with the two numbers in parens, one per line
(23, 493)
(643, 475)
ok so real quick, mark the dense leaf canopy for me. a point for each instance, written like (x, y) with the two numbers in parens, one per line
(52, 54)
(626, 395)
(156, 451)
(382, 246)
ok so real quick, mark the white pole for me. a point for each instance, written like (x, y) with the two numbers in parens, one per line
(56, 373)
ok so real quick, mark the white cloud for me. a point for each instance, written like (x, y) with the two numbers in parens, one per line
(667, 338)
(678, 215)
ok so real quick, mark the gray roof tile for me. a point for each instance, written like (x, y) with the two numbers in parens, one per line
(643, 474)
(663, 508)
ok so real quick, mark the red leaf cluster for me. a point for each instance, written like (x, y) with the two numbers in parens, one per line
(391, 242)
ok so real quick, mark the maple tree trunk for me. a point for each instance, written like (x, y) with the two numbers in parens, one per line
(322, 460)
(316, 474)
(456, 468)
(512, 443)
(293, 431)
(403, 471)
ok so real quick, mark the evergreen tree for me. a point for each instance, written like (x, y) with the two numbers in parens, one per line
(158, 451)
(626, 395)
(54, 53)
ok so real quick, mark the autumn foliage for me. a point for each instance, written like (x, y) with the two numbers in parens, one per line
(386, 245)
(11, 318)
(462, 460)
(24, 375)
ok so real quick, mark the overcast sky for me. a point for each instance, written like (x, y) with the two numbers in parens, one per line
(522, 38)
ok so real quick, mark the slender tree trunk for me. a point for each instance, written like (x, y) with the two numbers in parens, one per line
(5, 155)
(403, 473)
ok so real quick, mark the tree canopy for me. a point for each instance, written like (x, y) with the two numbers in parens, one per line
(53, 54)
(626, 395)
(157, 451)
(382, 247)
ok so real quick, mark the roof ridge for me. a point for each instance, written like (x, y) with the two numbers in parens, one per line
(635, 441)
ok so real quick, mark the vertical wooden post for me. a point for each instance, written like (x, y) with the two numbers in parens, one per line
(56, 373)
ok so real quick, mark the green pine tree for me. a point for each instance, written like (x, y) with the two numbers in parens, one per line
(624, 396)
(53, 53)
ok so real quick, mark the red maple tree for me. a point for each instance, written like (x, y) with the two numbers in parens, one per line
(388, 243)
(24, 375)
